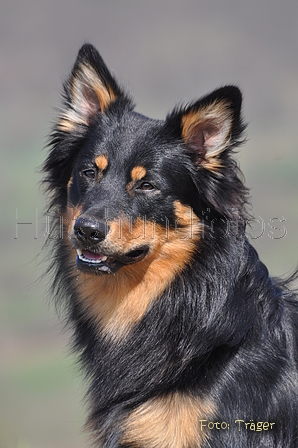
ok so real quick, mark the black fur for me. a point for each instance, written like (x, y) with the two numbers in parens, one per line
(223, 331)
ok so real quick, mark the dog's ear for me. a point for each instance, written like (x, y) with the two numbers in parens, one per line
(89, 90)
(210, 129)
(211, 126)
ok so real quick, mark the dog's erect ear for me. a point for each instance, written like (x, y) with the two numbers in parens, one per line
(90, 89)
(210, 126)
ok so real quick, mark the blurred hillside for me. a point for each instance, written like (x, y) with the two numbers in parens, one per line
(164, 52)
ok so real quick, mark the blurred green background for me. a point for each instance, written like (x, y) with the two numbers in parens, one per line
(164, 51)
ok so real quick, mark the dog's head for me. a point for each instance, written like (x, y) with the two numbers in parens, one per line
(134, 189)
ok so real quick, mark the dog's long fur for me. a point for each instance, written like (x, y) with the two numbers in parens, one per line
(185, 339)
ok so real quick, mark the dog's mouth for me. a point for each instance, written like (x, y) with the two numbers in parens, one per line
(103, 264)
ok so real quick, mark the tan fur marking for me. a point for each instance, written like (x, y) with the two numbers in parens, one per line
(138, 173)
(172, 421)
(66, 124)
(212, 164)
(88, 77)
(187, 221)
(101, 162)
(69, 183)
(119, 301)
(70, 218)
(86, 86)
(215, 120)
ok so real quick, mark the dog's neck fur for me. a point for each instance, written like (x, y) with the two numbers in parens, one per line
(157, 366)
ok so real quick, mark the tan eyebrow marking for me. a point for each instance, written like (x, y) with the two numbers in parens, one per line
(138, 172)
(101, 162)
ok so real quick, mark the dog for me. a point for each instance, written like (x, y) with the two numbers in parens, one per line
(184, 338)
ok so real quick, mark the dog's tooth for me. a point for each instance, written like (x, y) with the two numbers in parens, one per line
(79, 252)
(104, 268)
(104, 258)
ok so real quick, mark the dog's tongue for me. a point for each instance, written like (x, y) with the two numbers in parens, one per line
(92, 255)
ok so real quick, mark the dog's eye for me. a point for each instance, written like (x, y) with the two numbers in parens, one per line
(145, 186)
(89, 173)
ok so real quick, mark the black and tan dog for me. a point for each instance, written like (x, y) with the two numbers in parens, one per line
(185, 339)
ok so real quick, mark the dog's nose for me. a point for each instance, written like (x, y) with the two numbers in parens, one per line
(90, 231)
